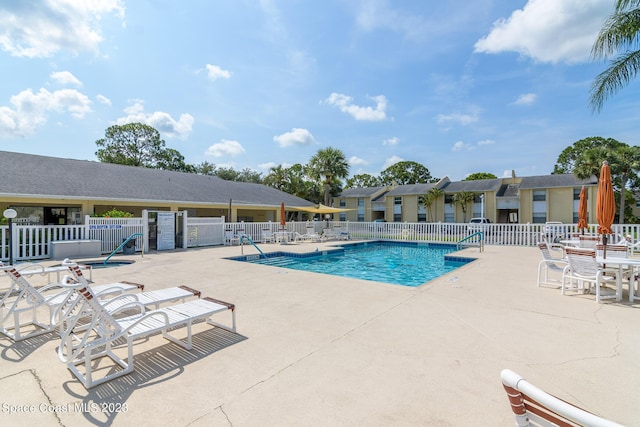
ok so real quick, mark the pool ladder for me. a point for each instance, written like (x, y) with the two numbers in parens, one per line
(133, 236)
(248, 239)
(479, 238)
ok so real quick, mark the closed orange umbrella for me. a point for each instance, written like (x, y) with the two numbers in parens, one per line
(605, 204)
(283, 221)
(582, 210)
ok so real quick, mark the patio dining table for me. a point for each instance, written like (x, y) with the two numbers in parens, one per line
(623, 265)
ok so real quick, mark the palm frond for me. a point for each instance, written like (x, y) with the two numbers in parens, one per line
(621, 71)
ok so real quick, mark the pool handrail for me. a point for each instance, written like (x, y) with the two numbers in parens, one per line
(246, 236)
(134, 235)
(480, 241)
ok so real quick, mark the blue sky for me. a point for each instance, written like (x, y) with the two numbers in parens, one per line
(480, 86)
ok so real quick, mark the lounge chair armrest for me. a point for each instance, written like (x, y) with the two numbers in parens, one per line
(161, 314)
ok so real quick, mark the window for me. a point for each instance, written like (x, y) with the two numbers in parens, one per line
(539, 218)
(576, 193)
(448, 199)
(397, 200)
(539, 196)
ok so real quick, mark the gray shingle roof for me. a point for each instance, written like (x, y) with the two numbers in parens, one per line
(360, 192)
(41, 176)
(411, 189)
(473, 186)
(559, 180)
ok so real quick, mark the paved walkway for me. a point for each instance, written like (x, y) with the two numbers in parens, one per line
(316, 350)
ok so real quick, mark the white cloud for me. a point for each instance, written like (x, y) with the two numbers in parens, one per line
(391, 141)
(65, 78)
(297, 136)
(103, 100)
(214, 72)
(267, 166)
(42, 29)
(549, 30)
(355, 161)
(225, 148)
(462, 119)
(391, 161)
(377, 14)
(345, 104)
(162, 121)
(526, 99)
(460, 146)
(486, 142)
(32, 109)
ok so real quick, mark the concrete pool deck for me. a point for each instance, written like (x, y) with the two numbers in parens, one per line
(317, 350)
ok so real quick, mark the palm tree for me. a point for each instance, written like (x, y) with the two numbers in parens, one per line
(277, 177)
(426, 200)
(626, 163)
(618, 35)
(463, 199)
(331, 164)
(431, 198)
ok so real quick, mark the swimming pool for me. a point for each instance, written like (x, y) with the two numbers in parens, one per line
(398, 263)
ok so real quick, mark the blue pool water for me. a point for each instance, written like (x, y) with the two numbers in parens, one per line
(406, 263)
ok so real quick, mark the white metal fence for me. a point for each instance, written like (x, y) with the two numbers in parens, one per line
(31, 242)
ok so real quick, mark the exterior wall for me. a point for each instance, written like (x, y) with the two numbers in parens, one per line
(410, 208)
(526, 206)
(91, 207)
(560, 205)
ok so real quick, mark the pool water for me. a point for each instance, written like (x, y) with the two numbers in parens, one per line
(406, 264)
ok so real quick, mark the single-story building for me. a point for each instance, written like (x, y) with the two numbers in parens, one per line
(50, 190)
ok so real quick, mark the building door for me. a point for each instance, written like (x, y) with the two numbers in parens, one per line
(55, 216)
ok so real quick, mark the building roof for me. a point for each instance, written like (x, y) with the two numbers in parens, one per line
(28, 175)
(411, 189)
(360, 191)
(474, 185)
(556, 180)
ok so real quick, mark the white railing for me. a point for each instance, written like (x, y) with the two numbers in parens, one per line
(31, 242)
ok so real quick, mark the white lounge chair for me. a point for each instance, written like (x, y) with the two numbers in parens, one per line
(80, 347)
(533, 407)
(584, 268)
(297, 237)
(551, 263)
(22, 298)
(29, 269)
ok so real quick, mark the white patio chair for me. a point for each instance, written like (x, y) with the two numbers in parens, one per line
(297, 237)
(551, 263)
(588, 241)
(584, 268)
(81, 346)
(329, 234)
(313, 235)
(231, 238)
(267, 236)
(533, 407)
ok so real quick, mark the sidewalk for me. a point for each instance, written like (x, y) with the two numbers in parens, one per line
(317, 350)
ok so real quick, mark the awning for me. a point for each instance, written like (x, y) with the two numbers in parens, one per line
(320, 209)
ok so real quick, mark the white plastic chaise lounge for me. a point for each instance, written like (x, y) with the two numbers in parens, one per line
(533, 407)
(23, 305)
(551, 263)
(29, 269)
(147, 298)
(81, 346)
